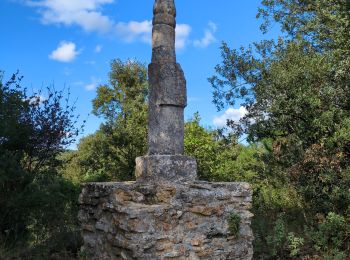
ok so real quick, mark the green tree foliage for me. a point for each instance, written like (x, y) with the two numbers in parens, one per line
(109, 154)
(126, 126)
(125, 95)
(296, 91)
(92, 161)
(201, 144)
(219, 156)
(38, 207)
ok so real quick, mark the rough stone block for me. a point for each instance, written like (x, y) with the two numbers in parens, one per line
(165, 220)
(167, 83)
(178, 168)
(165, 130)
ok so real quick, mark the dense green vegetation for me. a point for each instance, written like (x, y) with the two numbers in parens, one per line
(109, 154)
(38, 206)
(296, 91)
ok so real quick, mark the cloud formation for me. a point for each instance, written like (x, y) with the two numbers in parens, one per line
(133, 31)
(65, 52)
(230, 114)
(208, 37)
(84, 13)
(182, 34)
(87, 14)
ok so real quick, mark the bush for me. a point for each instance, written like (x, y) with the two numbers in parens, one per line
(332, 236)
(38, 214)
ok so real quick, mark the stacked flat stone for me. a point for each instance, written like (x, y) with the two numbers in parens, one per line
(158, 221)
(167, 100)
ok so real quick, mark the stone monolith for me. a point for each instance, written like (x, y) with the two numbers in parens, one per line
(166, 213)
(167, 100)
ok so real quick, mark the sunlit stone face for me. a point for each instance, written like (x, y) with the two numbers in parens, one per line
(163, 36)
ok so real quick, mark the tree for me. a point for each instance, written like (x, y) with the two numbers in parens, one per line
(37, 206)
(219, 157)
(109, 154)
(201, 144)
(296, 92)
(93, 161)
(124, 106)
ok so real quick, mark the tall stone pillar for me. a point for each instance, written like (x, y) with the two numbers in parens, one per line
(167, 100)
(166, 213)
(167, 83)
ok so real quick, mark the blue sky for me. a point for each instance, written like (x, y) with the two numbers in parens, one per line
(71, 43)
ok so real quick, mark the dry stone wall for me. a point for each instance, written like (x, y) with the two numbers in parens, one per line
(165, 220)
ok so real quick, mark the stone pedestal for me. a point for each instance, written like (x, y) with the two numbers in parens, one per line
(165, 219)
(174, 168)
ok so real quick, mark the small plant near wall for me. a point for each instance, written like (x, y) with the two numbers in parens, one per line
(234, 221)
(294, 243)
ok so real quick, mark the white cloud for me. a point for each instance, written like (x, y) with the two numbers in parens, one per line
(93, 84)
(98, 48)
(84, 13)
(182, 34)
(65, 52)
(88, 15)
(213, 27)
(231, 114)
(133, 31)
(208, 37)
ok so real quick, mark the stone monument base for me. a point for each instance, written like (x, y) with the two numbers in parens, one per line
(174, 168)
(166, 219)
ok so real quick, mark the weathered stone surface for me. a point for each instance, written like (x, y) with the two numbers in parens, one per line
(166, 109)
(165, 220)
(178, 168)
(163, 32)
(164, 12)
(167, 98)
(168, 84)
(165, 137)
(163, 38)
